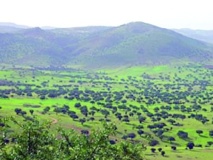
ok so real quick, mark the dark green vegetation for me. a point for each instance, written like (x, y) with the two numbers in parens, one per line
(167, 109)
(36, 140)
(94, 47)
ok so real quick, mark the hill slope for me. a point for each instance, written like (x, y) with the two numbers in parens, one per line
(140, 43)
(130, 44)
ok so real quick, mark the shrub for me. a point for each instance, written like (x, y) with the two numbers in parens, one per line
(173, 148)
(153, 150)
(182, 134)
(37, 140)
(153, 142)
(163, 153)
(211, 133)
(199, 132)
(190, 145)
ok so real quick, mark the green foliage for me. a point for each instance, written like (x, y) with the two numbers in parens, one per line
(36, 140)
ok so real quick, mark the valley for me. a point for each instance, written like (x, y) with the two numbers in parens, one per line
(164, 106)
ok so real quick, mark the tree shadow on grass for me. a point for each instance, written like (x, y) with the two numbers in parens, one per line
(118, 132)
(156, 155)
(187, 139)
(177, 151)
(85, 125)
(203, 136)
(193, 150)
(171, 143)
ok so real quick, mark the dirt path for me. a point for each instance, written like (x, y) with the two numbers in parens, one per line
(54, 121)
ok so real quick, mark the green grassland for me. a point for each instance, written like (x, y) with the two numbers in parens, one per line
(159, 94)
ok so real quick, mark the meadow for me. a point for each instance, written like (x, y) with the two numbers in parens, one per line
(167, 107)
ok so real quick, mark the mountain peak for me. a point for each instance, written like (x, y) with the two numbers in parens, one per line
(138, 27)
(36, 31)
(137, 23)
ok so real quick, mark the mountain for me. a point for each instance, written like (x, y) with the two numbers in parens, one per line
(130, 44)
(202, 35)
(11, 27)
(140, 43)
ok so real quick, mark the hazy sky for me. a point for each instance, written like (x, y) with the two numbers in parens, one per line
(195, 14)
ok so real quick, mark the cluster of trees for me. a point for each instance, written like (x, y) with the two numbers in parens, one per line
(35, 139)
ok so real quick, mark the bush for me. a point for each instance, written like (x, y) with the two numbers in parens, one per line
(211, 133)
(199, 132)
(37, 140)
(190, 145)
(163, 153)
(173, 148)
(153, 150)
(210, 143)
(153, 143)
(182, 134)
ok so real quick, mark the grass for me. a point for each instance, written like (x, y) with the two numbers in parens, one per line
(182, 154)
(133, 80)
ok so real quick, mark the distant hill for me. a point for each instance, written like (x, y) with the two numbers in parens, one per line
(11, 27)
(140, 43)
(94, 47)
(7, 24)
(202, 35)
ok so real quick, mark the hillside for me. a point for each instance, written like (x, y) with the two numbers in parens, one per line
(140, 43)
(126, 45)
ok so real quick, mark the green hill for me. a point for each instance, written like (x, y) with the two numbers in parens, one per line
(126, 45)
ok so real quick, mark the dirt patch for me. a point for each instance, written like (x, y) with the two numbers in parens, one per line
(54, 121)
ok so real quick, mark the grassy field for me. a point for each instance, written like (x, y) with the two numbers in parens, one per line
(178, 97)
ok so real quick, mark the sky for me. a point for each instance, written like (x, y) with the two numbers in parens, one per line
(194, 14)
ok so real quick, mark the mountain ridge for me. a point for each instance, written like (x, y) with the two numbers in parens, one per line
(135, 43)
